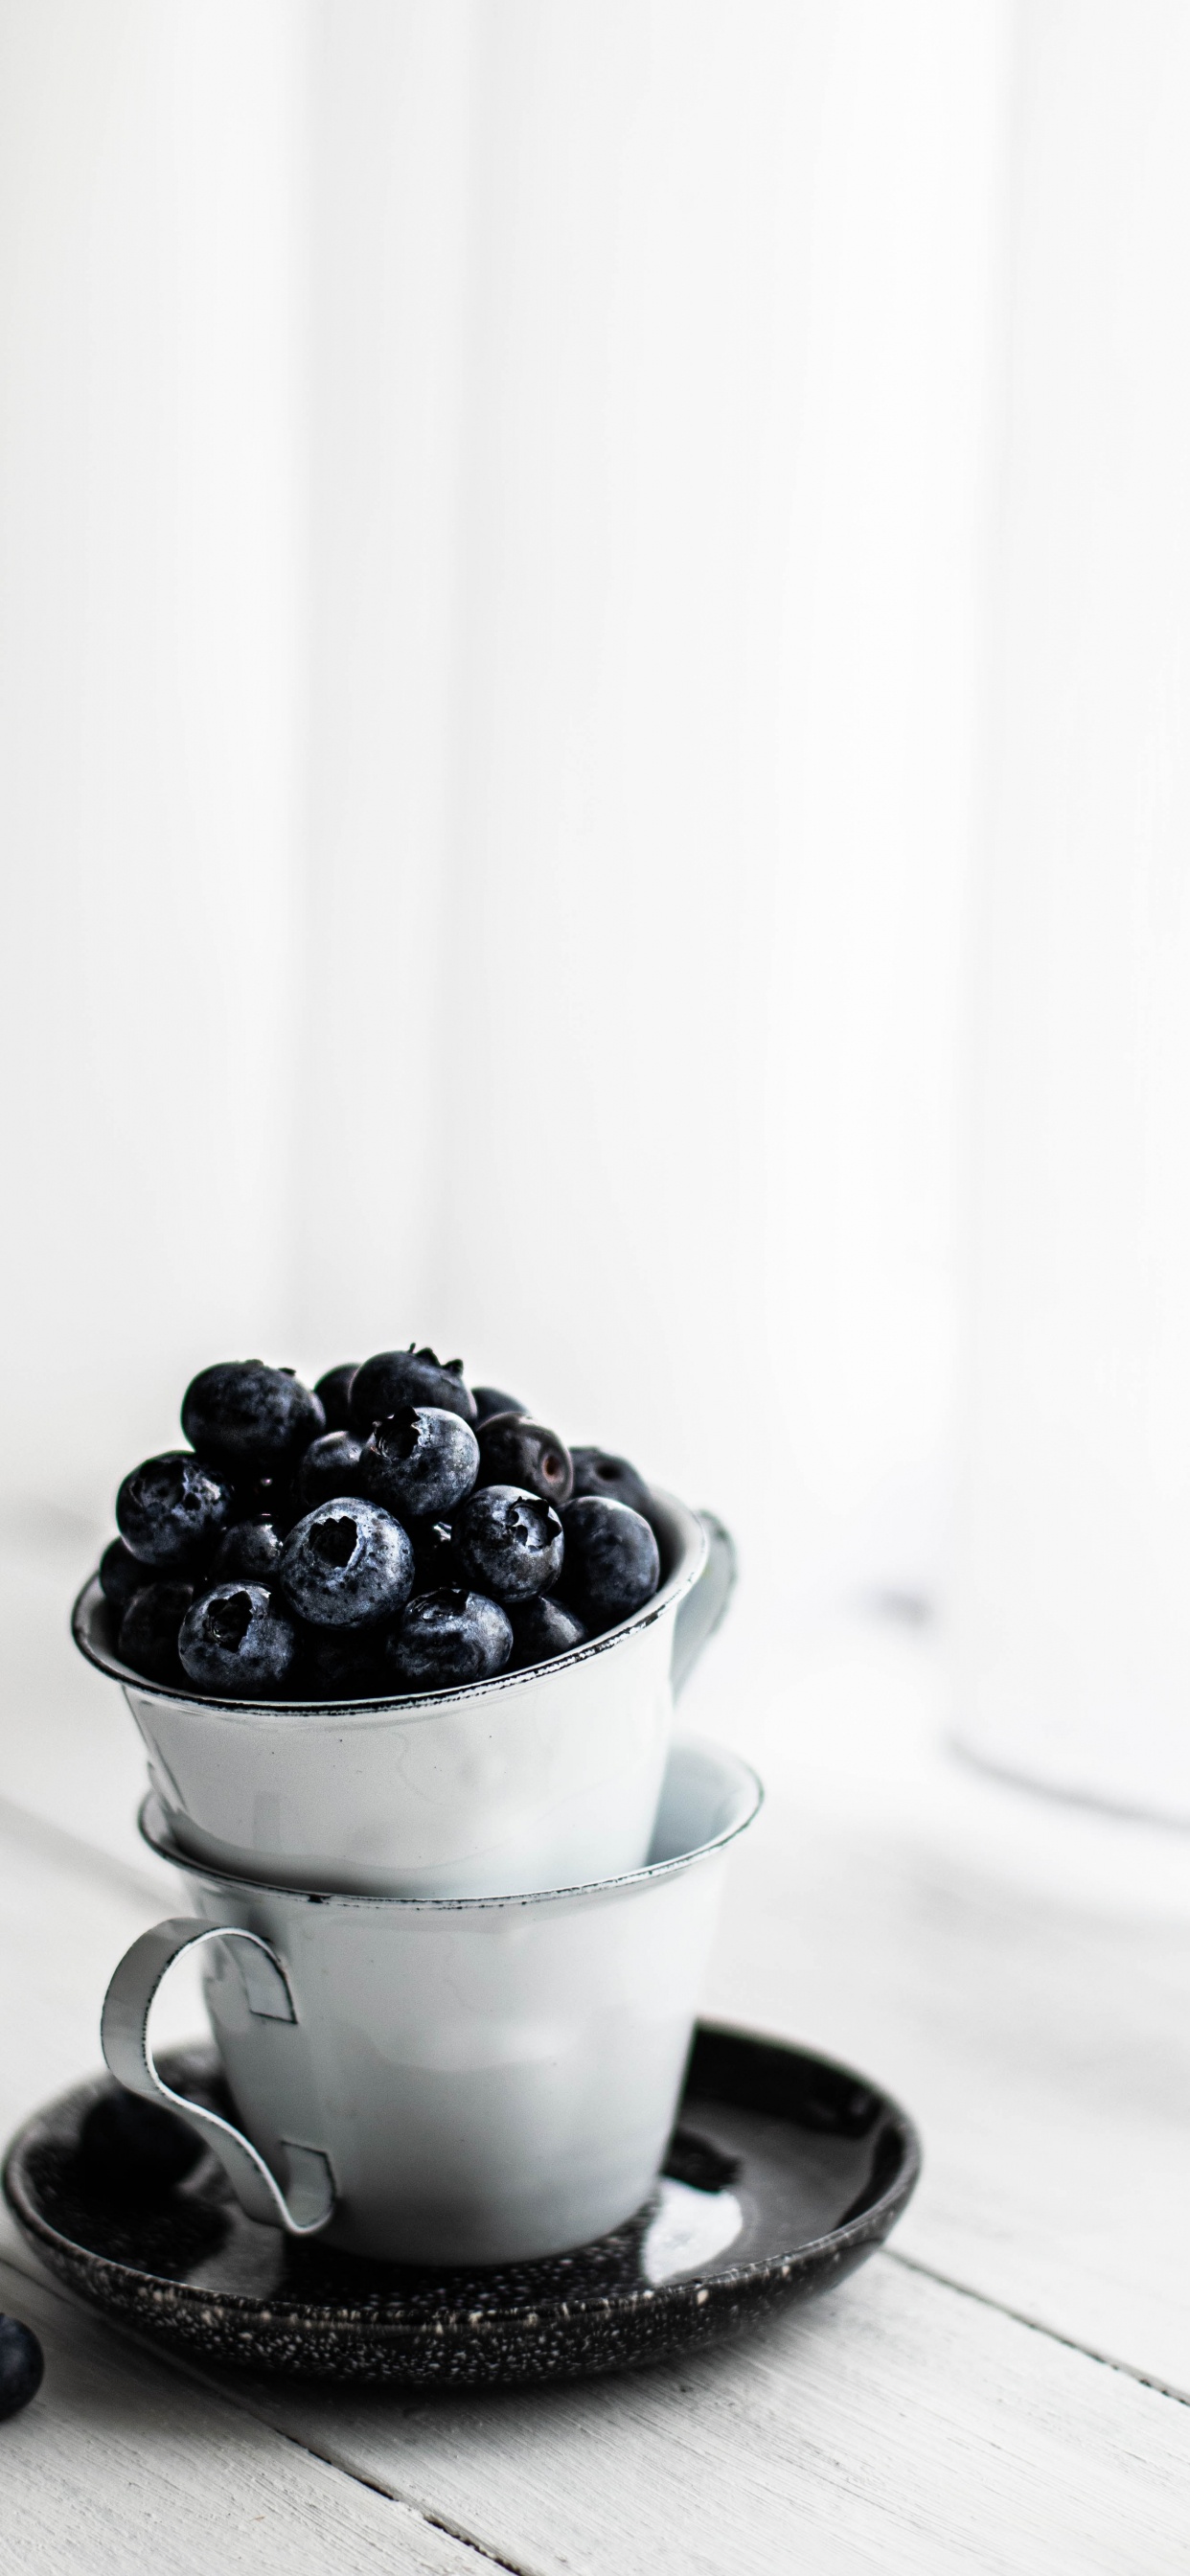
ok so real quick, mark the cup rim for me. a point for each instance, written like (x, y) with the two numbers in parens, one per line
(155, 1832)
(693, 1549)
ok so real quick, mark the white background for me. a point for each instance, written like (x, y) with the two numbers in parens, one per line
(592, 760)
(493, 499)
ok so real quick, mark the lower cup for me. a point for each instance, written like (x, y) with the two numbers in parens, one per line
(469, 2080)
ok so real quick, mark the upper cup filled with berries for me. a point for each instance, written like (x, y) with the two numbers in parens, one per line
(389, 1531)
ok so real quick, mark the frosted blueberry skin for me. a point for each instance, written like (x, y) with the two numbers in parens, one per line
(22, 2364)
(612, 1564)
(393, 1378)
(492, 1399)
(250, 1419)
(513, 1450)
(541, 1629)
(171, 1510)
(149, 1630)
(332, 1390)
(136, 2148)
(120, 1575)
(347, 1565)
(419, 1462)
(328, 1468)
(449, 1636)
(249, 1552)
(597, 1471)
(508, 1542)
(235, 1639)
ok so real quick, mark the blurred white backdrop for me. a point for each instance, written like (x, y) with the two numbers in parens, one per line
(495, 525)
(1072, 1611)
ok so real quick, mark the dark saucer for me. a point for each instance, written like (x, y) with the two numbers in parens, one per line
(784, 2173)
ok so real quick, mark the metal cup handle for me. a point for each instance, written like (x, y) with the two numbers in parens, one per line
(308, 2199)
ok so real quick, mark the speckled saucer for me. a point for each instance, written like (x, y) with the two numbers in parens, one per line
(784, 2173)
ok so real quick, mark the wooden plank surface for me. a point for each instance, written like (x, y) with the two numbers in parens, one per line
(121, 2468)
(896, 2426)
(1019, 1973)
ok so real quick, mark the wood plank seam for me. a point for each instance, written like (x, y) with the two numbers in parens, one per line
(328, 2455)
(18, 2258)
(1037, 2325)
(27, 2268)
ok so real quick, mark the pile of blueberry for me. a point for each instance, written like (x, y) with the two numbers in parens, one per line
(390, 1530)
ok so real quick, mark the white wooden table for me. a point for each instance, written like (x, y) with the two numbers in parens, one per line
(1006, 2388)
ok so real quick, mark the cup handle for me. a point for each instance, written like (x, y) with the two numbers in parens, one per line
(124, 2034)
(701, 1611)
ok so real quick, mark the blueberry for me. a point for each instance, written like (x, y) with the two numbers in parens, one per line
(133, 2148)
(347, 1565)
(332, 1391)
(612, 1564)
(234, 1639)
(492, 1399)
(171, 1509)
(394, 1378)
(434, 1552)
(327, 1469)
(515, 1451)
(419, 1462)
(342, 1663)
(249, 1417)
(249, 1551)
(149, 1631)
(21, 2366)
(448, 1636)
(121, 1574)
(508, 1542)
(596, 1471)
(541, 1629)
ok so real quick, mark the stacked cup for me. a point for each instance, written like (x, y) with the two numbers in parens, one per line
(452, 1944)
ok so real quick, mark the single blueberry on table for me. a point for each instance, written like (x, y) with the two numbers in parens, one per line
(597, 1471)
(149, 1631)
(419, 1462)
(121, 1574)
(328, 1468)
(133, 2147)
(236, 1639)
(492, 1399)
(393, 1378)
(612, 1565)
(542, 1628)
(451, 1636)
(508, 1542)
(250, 1552)
(22, 2364)
(516, 1451)
(347, 1565)
(171, 1509)
(332, 1390)
(247, 1417)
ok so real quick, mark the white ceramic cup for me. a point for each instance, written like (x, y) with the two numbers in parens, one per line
(484, 2080)
(538, 1779)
